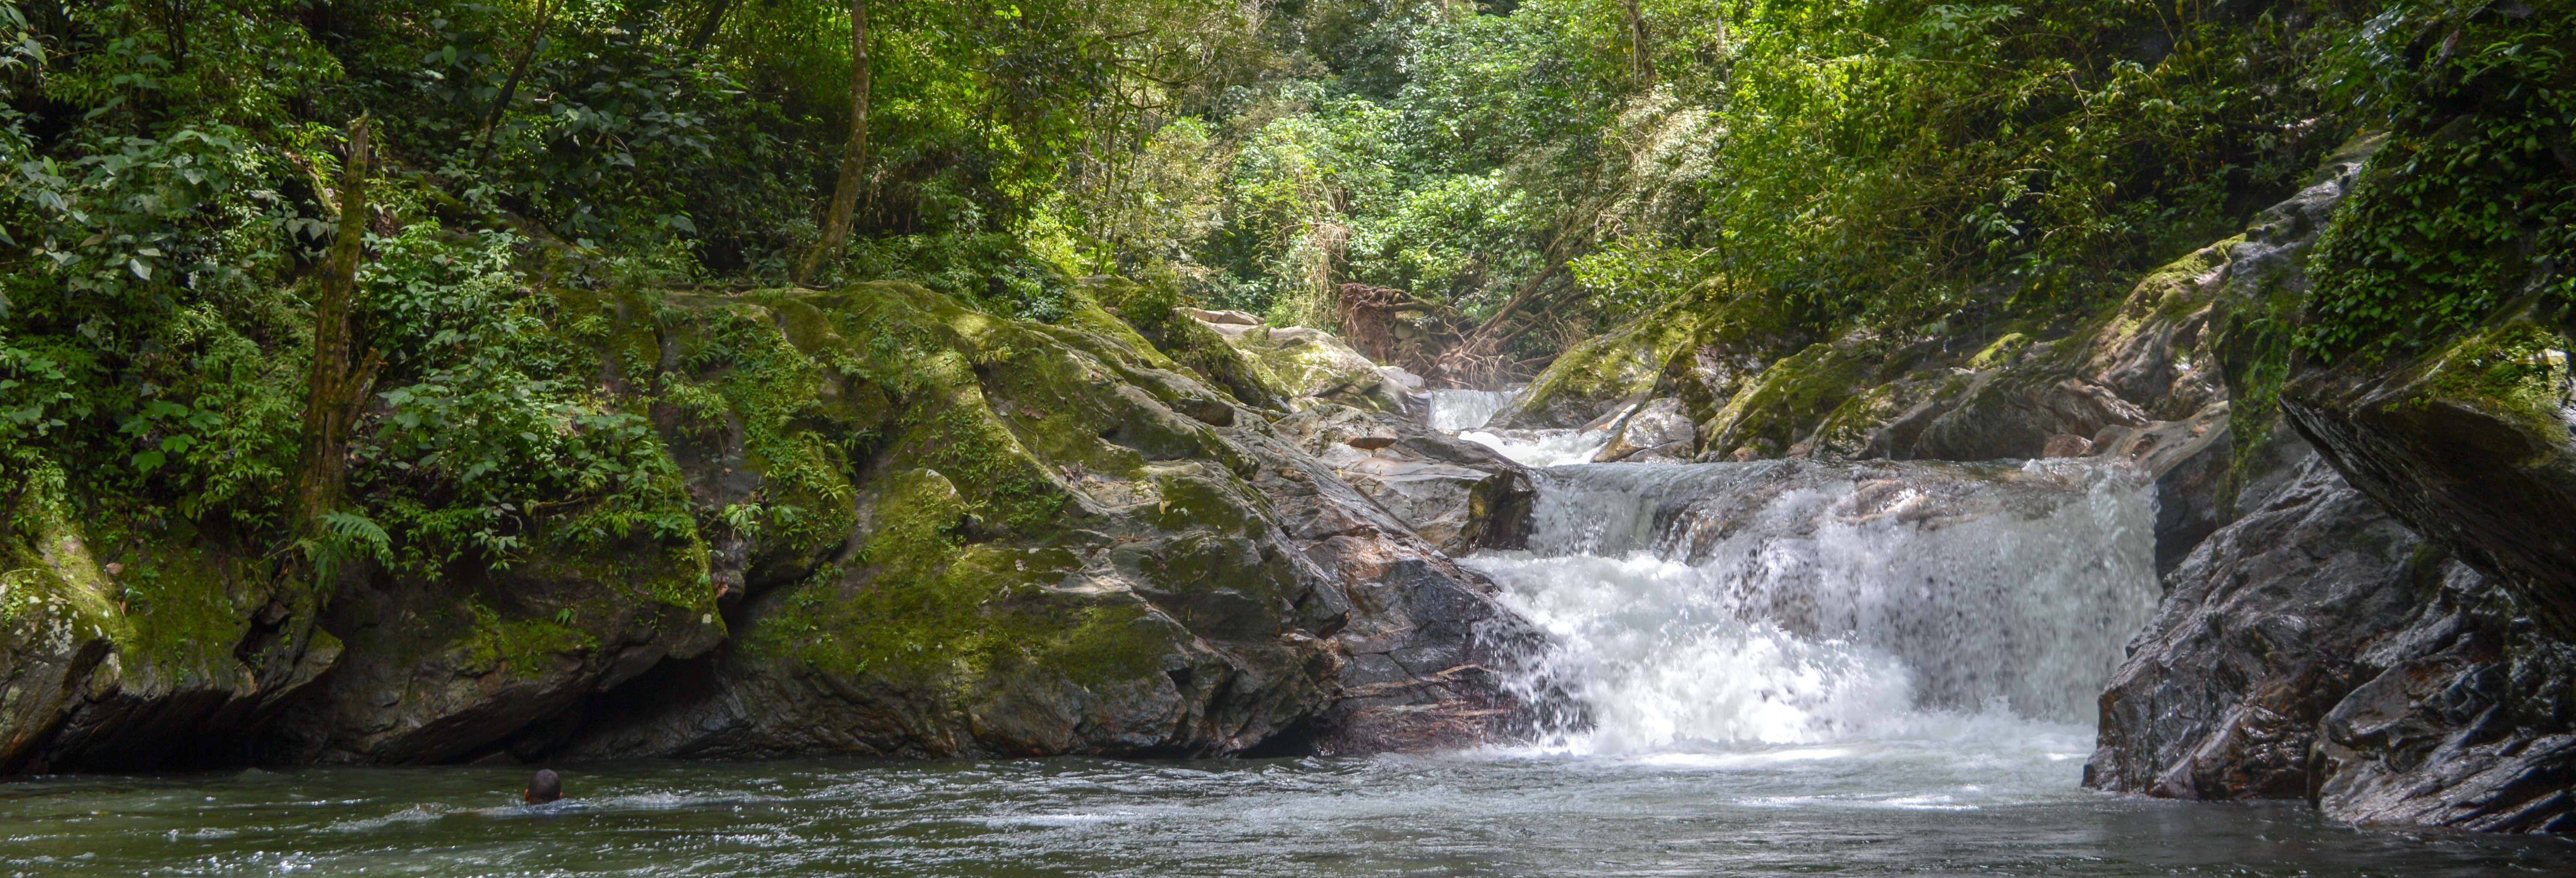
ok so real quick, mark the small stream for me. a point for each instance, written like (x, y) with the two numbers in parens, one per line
(1782, 668)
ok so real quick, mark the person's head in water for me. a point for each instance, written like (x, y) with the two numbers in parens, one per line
(545, 787)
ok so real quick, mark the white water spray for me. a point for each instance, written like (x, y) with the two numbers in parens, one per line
(1466, 412)
(1719, 605)
(1455, 410)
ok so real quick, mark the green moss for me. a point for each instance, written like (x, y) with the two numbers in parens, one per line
(48, 579)
(1845, 431)
(926, 607)
(2254, 342)
(1771, 412)
(1104, 644)
(2001, 353)
(1192, 499)
(2516, 371)
(180, 599)
(1616, 364)
(520, 647)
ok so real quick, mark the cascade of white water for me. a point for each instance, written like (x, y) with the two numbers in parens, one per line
(1455, 410)
(1795, 601)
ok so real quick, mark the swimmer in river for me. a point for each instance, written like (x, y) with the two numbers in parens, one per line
(543, 788)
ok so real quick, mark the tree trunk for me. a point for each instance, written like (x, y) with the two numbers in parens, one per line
(707, 28)
(1639, 63)
(340, 380)
(518, 70)
(845, 196)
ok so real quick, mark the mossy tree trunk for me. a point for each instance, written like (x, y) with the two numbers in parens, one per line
(845, 196)
(340, 377)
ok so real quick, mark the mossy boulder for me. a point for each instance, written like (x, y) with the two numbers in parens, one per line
(1153, 313)
(1058, 542)
(482, 662)
(2470, 445)
(1311, 364)
(1604, 372)
(1774, 411)
(172, 654)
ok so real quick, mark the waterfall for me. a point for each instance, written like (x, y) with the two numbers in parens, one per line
(1455, 410)
(1709, 605)
(1465, 412)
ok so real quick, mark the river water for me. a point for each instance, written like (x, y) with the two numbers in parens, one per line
(1777, 669)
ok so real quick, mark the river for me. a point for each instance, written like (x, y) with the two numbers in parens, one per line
(1778, 668)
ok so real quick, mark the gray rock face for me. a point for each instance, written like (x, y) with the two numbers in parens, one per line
(2260, 635)
(437, 672)
(2469, 720)
(2472, 446)
(2318, 649)
(1459, 495)
(1656, 432)
(2468, 723)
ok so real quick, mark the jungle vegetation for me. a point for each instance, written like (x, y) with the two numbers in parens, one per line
(215, 302)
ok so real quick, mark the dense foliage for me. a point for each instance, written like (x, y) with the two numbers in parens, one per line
(1539, 170)
(2473, 205)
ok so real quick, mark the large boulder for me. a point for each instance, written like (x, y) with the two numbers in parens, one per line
(2318, 649)
(1459, 495)
(1603, 373)
(2259, 636)
(2470, 445)
(1306, 364)
(1057, 545)
(137, 649)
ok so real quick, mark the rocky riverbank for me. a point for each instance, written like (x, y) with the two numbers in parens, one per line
(952, 534)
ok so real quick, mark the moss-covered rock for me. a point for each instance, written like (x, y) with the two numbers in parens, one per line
(1774, 412)
(1604, 372)
(918, 529)
(2469, 444)
(1303, 364)
(171, 655)
(1156, 316)
(1061, 543)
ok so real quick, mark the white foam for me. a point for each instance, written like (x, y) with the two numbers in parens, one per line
(1708, 608)
(1543, 448)
(1455, 410)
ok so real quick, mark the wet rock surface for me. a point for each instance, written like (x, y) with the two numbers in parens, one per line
(2318, 649)
(1459, 495)
(2382, 629)
(2260, 635)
